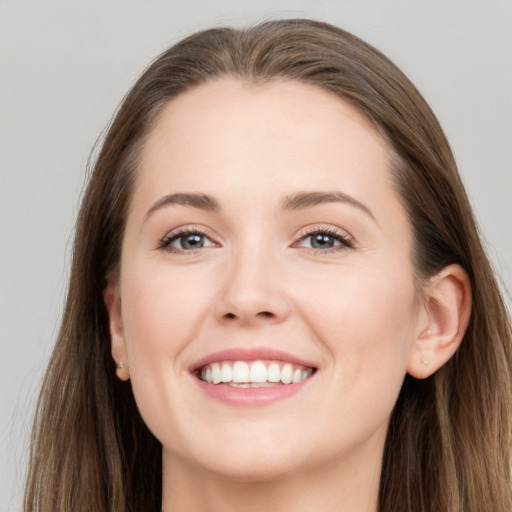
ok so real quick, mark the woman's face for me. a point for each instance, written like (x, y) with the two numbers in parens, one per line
(264, 227)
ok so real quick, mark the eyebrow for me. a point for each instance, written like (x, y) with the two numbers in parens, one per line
(296, 201)
(301, 200)
(201, 201)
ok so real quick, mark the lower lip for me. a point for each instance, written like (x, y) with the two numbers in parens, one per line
(250, 397)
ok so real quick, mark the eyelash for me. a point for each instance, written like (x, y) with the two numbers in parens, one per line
(345, 240)
(165, 243)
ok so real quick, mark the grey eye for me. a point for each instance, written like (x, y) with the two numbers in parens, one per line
(323, 241)
(191, 241)
(188, 242)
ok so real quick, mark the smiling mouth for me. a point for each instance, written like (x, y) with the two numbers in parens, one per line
(255, 374)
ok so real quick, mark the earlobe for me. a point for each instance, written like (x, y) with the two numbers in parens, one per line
(447, 309)
(112, 301)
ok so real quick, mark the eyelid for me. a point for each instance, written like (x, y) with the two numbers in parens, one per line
(347, 240)
(187, 229)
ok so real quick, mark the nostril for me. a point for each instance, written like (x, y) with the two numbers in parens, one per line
(261, 315)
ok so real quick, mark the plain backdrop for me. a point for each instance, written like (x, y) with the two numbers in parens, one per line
(64, 67)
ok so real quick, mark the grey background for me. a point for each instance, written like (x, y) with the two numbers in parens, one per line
(64, 67)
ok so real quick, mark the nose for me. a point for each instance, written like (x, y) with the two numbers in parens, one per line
(252, 293)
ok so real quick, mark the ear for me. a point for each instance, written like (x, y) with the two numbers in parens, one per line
(112, 300)
(442, 322)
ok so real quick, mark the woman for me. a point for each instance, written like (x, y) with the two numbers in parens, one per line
(278, 297)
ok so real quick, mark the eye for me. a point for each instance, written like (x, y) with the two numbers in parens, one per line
(325, 240)
(186, 241)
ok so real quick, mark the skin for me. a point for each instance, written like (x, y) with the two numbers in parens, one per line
(351, 310)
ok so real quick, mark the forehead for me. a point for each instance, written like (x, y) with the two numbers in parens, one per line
(262, 140)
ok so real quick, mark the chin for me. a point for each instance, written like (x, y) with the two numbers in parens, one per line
(246, 460)
(250, 469)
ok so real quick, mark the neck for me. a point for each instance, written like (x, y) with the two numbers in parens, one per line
(341, 488)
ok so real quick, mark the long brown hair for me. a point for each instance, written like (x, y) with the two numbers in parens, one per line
(449, 442)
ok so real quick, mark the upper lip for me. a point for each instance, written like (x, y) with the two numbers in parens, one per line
(250, 354)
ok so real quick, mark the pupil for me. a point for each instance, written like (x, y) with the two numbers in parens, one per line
(192, 241)
(322, 241)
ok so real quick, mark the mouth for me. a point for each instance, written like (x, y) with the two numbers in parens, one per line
(251, 376)
(254, 374)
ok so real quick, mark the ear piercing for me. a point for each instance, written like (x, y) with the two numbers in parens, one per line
(422, 357)
(122, 371)
(426, 363)
(425, 334)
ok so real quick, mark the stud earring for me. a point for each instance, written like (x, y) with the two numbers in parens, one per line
(121, 371)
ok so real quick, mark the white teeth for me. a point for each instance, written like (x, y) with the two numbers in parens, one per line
(257, 374)
(216, 375)
(274, 373)
(240, 372)
(227, 373)
(297, 376)
(287, 374)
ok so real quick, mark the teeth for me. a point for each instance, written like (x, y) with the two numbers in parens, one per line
(286, 374)
(240, 372)
(274, 373)
(226, 373)
(297, 376)
(216, 375)
(251, 385)
(258, 374)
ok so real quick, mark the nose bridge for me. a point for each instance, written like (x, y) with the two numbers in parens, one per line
(252, 290)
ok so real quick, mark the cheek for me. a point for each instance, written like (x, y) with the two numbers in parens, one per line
(366, 320)
(365, 323)
(162, 312)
